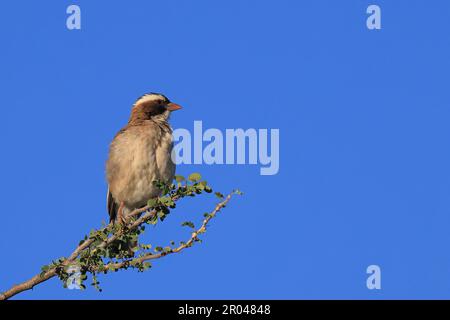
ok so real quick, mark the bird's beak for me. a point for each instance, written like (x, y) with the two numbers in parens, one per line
(173, 106)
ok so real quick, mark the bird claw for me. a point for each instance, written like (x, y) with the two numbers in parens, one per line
(121, 219)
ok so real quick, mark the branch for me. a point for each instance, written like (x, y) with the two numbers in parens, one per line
(90, 253)
(194, 238)
(39, 278)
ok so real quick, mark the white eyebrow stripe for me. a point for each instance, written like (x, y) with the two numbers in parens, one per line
(149, 97)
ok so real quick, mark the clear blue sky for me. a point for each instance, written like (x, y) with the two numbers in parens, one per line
(364, 135)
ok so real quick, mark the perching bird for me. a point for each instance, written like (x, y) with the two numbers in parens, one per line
(139, 154)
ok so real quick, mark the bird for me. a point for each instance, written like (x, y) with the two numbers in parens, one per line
(139, 154)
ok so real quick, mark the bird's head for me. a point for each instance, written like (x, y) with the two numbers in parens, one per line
(153, 106)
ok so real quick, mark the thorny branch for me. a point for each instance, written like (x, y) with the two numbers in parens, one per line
(91, 246)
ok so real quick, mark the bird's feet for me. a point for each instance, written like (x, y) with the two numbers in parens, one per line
(121, 219)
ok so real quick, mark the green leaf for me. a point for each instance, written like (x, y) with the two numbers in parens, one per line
(153, 220)
(194, 177)
(179, 178)
(152, 202)
(146, 265)
(146, 246)
(167, 201)
(161, 215)
(219, 195)
(189, 224)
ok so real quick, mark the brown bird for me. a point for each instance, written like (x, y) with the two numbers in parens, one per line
(139, 154)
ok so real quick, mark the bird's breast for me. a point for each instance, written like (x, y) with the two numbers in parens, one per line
(139, 156)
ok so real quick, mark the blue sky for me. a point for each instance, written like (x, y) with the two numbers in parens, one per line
(364, 159)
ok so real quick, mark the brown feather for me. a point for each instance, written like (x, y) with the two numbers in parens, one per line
(111, 206)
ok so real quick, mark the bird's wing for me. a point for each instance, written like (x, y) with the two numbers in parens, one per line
(111, 206)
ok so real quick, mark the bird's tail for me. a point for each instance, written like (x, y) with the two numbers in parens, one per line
(112, 207)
